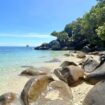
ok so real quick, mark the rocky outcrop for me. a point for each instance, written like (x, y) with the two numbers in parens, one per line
(53, 45)
(44, 46)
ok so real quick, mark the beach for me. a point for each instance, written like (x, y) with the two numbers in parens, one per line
(15, 83)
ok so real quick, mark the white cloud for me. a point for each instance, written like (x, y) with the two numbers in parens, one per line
(29, 35)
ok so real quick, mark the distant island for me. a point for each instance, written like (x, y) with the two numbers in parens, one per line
(86, 33)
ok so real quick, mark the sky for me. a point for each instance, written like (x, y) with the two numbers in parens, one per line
(30, 22)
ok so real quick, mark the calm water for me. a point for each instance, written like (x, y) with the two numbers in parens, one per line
(13, 58)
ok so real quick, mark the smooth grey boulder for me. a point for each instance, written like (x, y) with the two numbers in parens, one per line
(89, 65)
(97, 75)
(96, 95)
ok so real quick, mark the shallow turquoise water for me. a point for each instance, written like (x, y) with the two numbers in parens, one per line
(13, 58)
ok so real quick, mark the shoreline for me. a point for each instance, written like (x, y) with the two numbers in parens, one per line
(16, 82)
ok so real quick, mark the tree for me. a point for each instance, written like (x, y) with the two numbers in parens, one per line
(101, 31)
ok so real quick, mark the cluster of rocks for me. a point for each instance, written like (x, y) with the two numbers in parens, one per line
(76, 45)
(54, 88)
(53, 45)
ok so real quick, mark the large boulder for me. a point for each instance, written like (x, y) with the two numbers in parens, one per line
(33, 89)
(98, 73)
(57, 93)
(96, 95)
(70, 74)
(43, 90)
(89, 64)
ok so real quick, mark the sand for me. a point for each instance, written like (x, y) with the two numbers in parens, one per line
(16, 83)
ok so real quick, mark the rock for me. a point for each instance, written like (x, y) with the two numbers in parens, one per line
(67, 63)
(53, 60)
(57, 93)
(81, 62)
(57, 72)
(102, 58)
(54, 45)
(7, 98)
(96, 95)
(89, 64)
(97, 75)
(32, 73)
(33, 89)
(94, 53)
(101, 53)
(81, 55)
(90, 48)
(70, 74)
(86, 49)
(44, 46)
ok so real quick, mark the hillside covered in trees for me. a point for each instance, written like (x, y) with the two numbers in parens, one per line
(85, 33)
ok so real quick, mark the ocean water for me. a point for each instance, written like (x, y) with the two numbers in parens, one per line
(12, 59)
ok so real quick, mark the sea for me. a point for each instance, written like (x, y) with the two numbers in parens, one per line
(13, 59)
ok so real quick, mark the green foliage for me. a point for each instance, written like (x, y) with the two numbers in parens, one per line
(101, 32)
(61, 36)
(90, 27)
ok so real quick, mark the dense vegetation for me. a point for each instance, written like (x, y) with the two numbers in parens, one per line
(87, 31)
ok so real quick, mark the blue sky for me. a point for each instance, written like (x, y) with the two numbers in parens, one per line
(30, 22)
